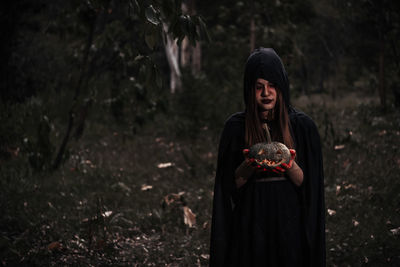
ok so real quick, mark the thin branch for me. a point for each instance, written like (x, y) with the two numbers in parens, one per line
(82, 76)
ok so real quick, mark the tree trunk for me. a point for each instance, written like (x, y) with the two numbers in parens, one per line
(252, 28)
(82, 82)
(185, 52)
(172, 52)
(252, 34)
(304, 73)
(190, 54)
(196, 59)
(382, 89)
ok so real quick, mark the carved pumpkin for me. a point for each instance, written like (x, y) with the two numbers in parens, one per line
(270, 155)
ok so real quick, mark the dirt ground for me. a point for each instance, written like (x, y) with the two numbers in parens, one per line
(145, 199)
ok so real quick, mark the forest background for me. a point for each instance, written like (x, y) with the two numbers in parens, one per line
(111, 112)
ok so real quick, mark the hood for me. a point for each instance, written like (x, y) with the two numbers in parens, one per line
(265, 63)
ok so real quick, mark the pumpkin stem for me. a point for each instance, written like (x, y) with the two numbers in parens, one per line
(267, 134)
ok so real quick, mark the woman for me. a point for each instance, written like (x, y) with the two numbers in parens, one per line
(268, 218)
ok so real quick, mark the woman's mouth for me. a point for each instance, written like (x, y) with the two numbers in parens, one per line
(266, 101)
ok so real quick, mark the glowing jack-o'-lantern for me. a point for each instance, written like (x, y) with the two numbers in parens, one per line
(269, 154)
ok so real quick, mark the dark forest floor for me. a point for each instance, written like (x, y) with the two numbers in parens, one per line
(123, 199)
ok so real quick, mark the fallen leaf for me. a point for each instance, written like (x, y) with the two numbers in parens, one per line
(188, 216)
(107, 213)
(383, 132)
(339, 147)
(395, 231)
(54, 245)
(370, 188)
(146, 187)
(170, 198)
(206, 225)
(350, 186)
(331, 212)
(338, 187)
(205, 256)
(165, 165)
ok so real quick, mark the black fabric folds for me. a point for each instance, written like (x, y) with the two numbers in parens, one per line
(253, 226)
(309, 158)
(230, 208)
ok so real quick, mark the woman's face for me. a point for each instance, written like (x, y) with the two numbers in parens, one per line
(265, 96)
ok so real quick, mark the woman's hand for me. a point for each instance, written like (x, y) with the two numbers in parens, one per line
(293, 171)
(247, 169)
(287, 166)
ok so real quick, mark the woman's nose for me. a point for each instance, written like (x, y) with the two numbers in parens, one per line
(265, 90)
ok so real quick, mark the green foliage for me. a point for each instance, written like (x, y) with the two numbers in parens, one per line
(92, 55)
(193, 110)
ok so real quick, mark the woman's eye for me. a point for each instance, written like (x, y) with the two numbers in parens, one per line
(271, 85)
(259, 87)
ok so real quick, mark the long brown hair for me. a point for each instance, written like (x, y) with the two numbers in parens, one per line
(254, 133)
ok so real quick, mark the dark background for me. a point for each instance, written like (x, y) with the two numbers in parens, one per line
(102, 162)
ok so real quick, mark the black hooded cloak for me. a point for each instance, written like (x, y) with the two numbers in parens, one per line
(271, 223)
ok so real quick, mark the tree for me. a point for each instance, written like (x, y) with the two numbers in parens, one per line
(375, 32)
(88, 46)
